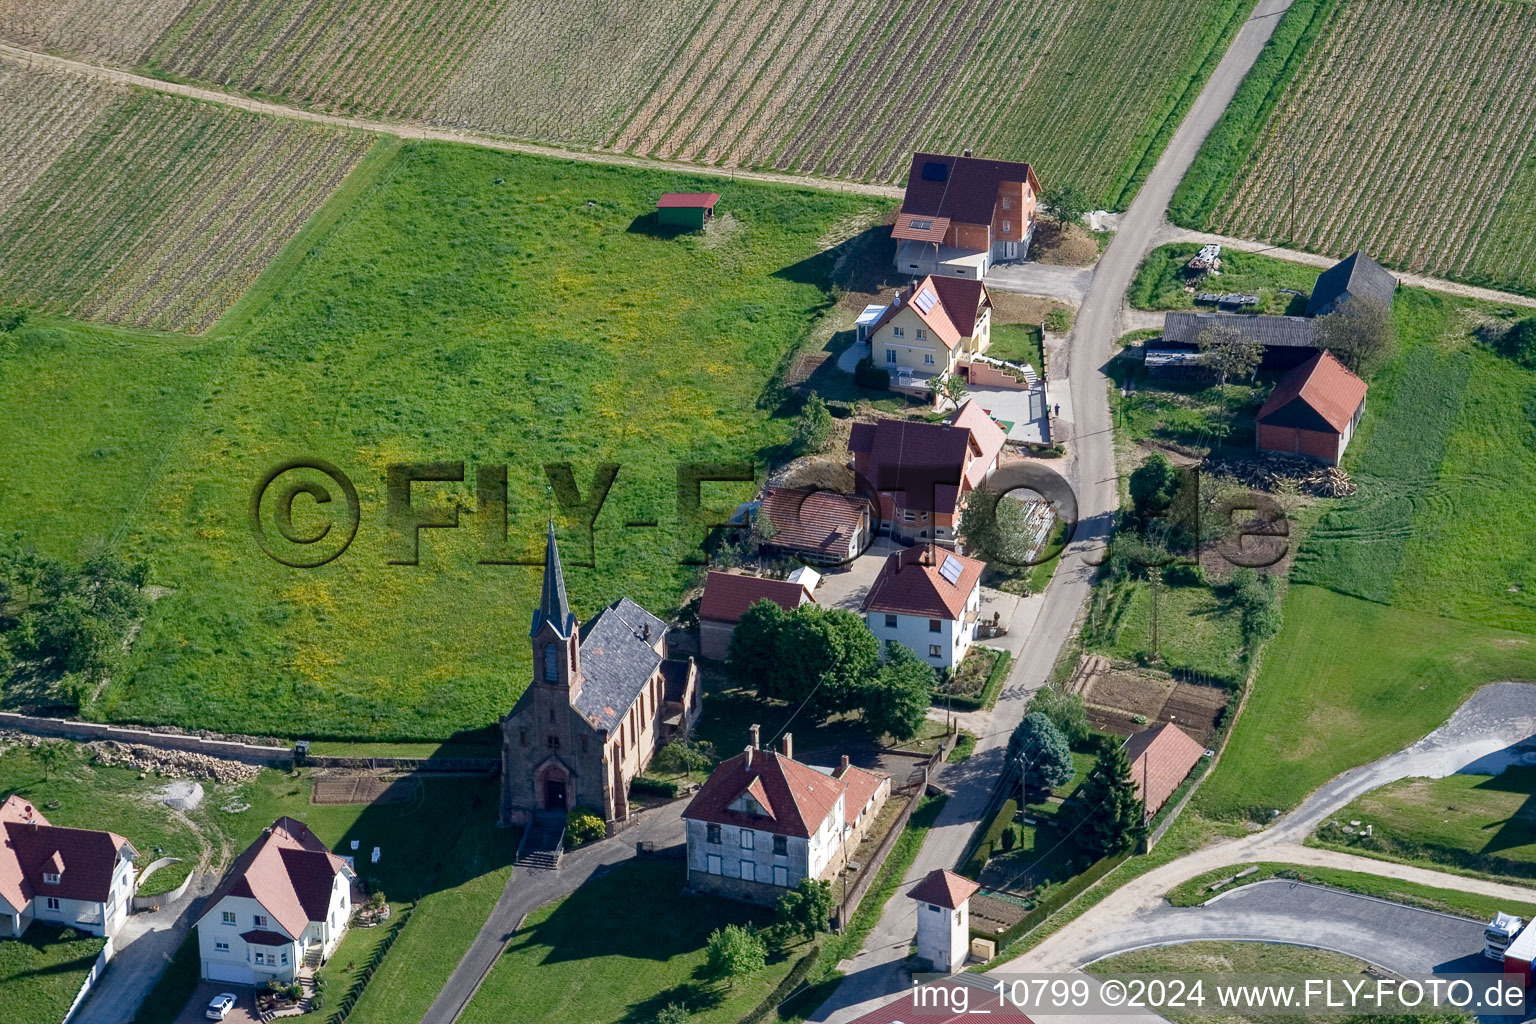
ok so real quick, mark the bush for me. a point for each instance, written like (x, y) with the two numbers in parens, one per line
(672, 1013)
(813, 428)
(735, 952)
(1058, 321)
(680, 756)
(584, 825)
(867, 375)
(1065, 710)
(1185, 575)
(317, 1001)
(295, 991)
(1519, 343)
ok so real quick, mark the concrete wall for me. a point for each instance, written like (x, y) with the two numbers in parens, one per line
(715, 638)
(85, 732)
(984, 376)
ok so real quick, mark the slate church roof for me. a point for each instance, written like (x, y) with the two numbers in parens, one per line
(620, 650)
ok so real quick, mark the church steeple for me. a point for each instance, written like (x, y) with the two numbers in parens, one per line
(553, 607)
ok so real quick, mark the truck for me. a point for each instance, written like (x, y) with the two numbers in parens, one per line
(1501, 931)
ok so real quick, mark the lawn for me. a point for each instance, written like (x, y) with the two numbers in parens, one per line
(1198, 632)
(1347, 681)
(1186, 413)
(1017, 343)
(1160, 280)
(621, 948)
(469, 305)
(41, 972)
(1483, 824)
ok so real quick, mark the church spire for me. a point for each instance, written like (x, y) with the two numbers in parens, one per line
(553, 607)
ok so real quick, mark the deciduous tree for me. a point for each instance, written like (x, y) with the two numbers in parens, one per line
(735, 952)
(806, 909)
(1064, 203)
(1359, 334)
(896, 702)
(1227, 352)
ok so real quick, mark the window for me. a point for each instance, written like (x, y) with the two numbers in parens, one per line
(284, 956)
(934, 627)
(229, 917)
(928, 358)
(712, 864)
(933, 650)
(712, 834)
(554, 743)
(551, 664)
(922, 335)
(748, 871)
(221, 947)
(898, 332)
(522, 736)
(909, 516)
(780, 846)
(890, 622)
(1007, 203)
(53, 903)
(1007, 226)
(260, 920)
(748, 838)
(890, 355)
(781, 876)
(936, 910)
(50, 878)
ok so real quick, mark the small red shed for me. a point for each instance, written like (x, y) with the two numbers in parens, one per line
(686, 209)
(1313, 411)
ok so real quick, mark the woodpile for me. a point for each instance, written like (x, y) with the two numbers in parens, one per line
(1270, 471)
(171, 764)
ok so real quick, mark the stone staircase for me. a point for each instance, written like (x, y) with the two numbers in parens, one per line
(543, 842)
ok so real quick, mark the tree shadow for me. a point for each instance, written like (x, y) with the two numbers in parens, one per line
(696, 997)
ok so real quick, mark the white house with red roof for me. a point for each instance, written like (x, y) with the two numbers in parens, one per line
(286, 900)
(928, 599)
(728, 595)
(943, 919)
(763, 822)
(930, 330)
(922, 472)
(961, 214)
(79, 877)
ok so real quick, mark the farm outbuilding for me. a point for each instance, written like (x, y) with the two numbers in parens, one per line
(1287, 340)
(1313, 411)
(686, 209)
(1355, 276)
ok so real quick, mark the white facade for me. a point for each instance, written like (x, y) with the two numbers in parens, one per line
(91, 916)
(941, 642)
(756, 855)
(943, 935)
(226, 956)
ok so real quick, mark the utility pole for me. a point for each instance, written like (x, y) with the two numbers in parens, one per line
(1156, 576)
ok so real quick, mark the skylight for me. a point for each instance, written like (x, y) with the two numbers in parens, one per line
(925, 299)
(951, 568)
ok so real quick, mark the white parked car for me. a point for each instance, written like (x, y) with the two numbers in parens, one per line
(220, 1005)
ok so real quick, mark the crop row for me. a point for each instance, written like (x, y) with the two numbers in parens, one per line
(40, 116)
(108, 30)
(1409, 131)
(167, 210)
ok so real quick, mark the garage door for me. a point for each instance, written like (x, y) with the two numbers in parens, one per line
(240, 974)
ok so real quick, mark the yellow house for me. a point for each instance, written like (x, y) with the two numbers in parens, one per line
(930, 329)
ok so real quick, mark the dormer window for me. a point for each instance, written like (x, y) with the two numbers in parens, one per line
(50, 878)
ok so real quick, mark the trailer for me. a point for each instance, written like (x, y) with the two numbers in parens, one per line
(1519, 954)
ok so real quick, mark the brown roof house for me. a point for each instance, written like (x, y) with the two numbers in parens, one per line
(603, 699)
(763, 821)
(728, 595)
(1160, 759)
(928, 599)
(930, 330)
(285, 900)
(960, 215)
(818, 527)
(77, 877)
(1313, 411)
(922, 472)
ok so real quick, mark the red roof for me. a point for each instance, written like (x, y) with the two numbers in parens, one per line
(911, 582)
(952, 312)
(862, 785)
(806, 520)
(918, 227)
(84, 859)
(944, 889)
(688, 200)
(289, 871)
(727, 596)
(1160, 759)
(1322, 387)
(796, 798)
(966, 193)
(905, 1011)
(963, 300)
(925, 464)
(986, 435)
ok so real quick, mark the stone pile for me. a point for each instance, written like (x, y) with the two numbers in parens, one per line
(172, 764)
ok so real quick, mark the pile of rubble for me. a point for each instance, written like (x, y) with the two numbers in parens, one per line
(172, 764)
(1271, 471)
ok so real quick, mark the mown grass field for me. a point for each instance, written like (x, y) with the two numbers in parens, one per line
(41, 972)
(1410, 124)
(476, 306)
(621, 948)
(1483, 824)
(1199, 631)
(1090, 91)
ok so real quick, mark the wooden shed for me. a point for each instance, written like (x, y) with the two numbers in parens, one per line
(687, 210)
(1313, 411)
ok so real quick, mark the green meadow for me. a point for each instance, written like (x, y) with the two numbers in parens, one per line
(1416, 591)
(450, 305)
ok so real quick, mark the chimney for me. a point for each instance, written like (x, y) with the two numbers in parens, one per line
(756, 733)
(646, 632)
(749, 757)
(843, 764)
(789, 746)
(966, 154)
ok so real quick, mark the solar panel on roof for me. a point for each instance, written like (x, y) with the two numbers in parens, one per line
(925, 300)
(921, 225)
(950, 570)
(935, 171)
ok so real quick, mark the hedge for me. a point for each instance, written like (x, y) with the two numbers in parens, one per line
(348, 1001)
(867, 375)
(656, 787)
(989, 692)
(1054, 900)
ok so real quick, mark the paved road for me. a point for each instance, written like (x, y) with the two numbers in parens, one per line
(527, 890)
(415, 130)
(879, 970)
(1496, 726)
(145, 944)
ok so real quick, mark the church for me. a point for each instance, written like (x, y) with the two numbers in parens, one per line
(603, 699)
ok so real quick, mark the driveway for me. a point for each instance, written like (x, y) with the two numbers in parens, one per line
(1069, 284)
(243, 1013)
(1025, 410)
(145, 944)
(845, 586)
